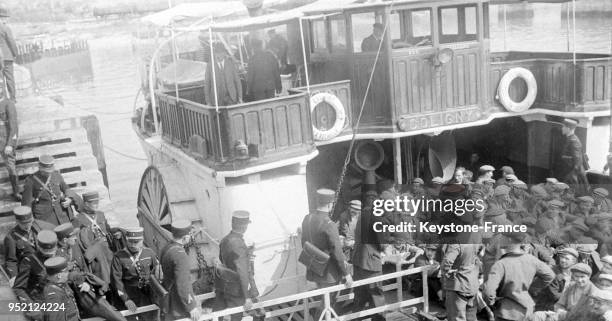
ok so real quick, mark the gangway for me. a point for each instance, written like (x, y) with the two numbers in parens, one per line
(303, 302)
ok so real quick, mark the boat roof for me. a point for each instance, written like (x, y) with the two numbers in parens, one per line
(231, 9)
(195, 11)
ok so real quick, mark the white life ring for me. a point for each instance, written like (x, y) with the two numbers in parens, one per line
(504, 85)
(336, 104)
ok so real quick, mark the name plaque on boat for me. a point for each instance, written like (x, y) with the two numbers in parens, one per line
(446, 118)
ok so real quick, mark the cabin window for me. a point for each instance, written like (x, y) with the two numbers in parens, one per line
(395, 26)
(363, 39)
(319, 43)
(470, 21)
(415, 28)
(458, 24)
(338, 34)
(421, 23)
(450, 21)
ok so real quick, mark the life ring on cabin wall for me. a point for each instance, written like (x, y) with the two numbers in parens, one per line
(503, 90)
(336, 104)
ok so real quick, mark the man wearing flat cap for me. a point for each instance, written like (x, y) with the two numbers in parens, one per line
(511, 276)
(576, 293)
(549, 295)
(21, 239)
(57, 292)
(131, 268)
(45, 192)
(31, 274)
(238, 288)
(572, 159)
(225, 80)
(177, 276)
(602, 203)
(320, 231)
(94, 236)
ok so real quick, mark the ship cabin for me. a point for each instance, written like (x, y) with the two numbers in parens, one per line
(427, 70)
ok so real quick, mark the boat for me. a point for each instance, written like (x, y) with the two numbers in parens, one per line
(431, 94)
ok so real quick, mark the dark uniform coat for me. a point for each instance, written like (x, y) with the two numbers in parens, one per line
(510, 279)
(370, 44)
(74, 256)
(229, 87)
(46, 206)
(93, 240)
(573, 165)
(319, 230)
(130, 275)
(18, 243)
(62, 295)
(31, 278)
(177, 280)
(263, 76)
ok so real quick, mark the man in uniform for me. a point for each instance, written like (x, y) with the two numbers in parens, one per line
(68, 248)
(131, 269)
(93, 236)
(460, 280)
(372, 42)
(21, 239)
(177, 278)
(347, 225)
(58, 293)
(320, 231)
(45, 191)
(8, 48)
(9, 130)
(511, 277)
(31, 275)
(234, 255)
(572, 159)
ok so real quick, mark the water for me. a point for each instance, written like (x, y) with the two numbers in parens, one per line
(109, 92)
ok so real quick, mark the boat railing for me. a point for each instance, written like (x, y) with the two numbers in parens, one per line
(238, 135)
(305, 301)
(561, 85)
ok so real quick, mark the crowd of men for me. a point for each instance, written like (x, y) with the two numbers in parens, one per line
(559, 269)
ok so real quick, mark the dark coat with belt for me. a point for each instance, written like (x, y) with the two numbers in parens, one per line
(233, 253)
(8, 47)
(263, 73)
(318, 229)
(229, 87)
(31, 278)
(46, 206)
(177, 280)
(18, 243)
(62, 295)
(510, 279)
(130, 274)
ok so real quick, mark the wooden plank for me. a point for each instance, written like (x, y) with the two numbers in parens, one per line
(282, 128)
(588, 83)
(238, 128)
(473, 78)
(269, 139)
(414, 85)
(599, 82)
(427, 85)
(295, 121)
(460, 81)
(253, 128)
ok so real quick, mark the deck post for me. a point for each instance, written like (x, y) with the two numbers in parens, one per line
(425, 291)
(306, 309)
(397, 156)
(327, 309)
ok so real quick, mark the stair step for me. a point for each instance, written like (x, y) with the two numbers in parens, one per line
(33, 153)
(63, 164)
(78, 135)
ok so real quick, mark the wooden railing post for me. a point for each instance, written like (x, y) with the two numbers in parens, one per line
(327, 310)
(425, 291)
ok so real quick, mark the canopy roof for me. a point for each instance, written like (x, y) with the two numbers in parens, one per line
(196, 11)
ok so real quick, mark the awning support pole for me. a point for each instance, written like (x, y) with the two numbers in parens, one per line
(574, 49)
(213, 64)
(304, 56)
(397, 156)
(505, 27)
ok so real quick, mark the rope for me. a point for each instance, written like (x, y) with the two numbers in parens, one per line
(69, 102)
(124, 154)
(347, 160)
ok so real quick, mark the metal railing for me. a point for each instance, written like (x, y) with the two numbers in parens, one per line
(304, 301)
